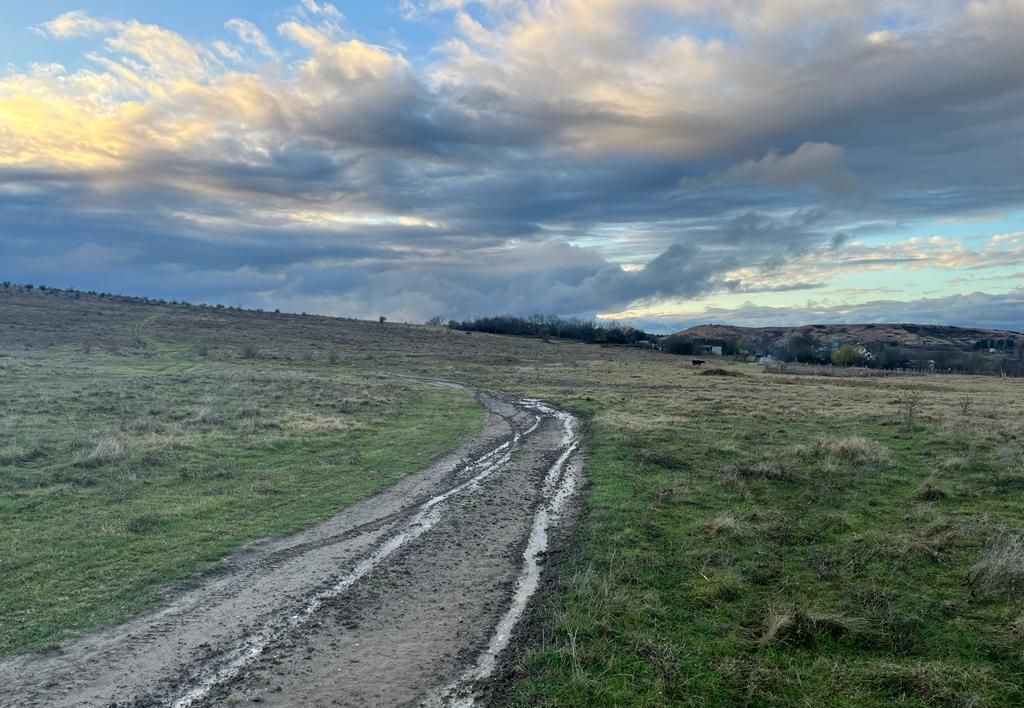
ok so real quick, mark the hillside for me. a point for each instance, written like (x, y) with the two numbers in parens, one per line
(904, 335)
(885, 346)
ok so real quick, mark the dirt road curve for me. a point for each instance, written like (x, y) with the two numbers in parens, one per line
(405, 598)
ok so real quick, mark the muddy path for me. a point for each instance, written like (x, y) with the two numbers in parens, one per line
(404, 598)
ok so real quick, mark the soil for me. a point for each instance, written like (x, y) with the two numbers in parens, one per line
(409, 597)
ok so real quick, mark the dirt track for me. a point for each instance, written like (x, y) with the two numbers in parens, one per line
(405, 598)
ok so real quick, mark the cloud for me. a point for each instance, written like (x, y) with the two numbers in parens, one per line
(250, 34)
(723, 147)
(814, 164)
(325, 9)
(976, 309)
(75, 24)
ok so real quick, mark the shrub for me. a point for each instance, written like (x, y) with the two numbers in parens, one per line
(909, 403)
(847, 355)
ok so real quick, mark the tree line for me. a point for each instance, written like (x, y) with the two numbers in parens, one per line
(545, 326)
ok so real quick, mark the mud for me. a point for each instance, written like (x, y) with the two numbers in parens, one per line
(405, 598)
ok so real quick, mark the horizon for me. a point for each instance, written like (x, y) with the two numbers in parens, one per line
(602, 322)
(659, 163)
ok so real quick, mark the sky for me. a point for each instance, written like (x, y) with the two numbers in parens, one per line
(663, 162)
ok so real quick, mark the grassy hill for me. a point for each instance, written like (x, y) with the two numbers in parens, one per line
(749, 539)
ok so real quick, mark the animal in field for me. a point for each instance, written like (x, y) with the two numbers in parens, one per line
(698, 362)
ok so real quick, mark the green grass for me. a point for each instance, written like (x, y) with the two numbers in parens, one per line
(743, 561)
(120, 477)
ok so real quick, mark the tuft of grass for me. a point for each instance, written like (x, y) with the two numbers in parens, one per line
(108, 448)
(720, 586)
(1001, 567)
(207, 416)
(724, 525)
(250, 412)
(930, 491)
(796, 627)
(20, 454)
(1016, 627)
(855, 449)
(938, 684)
(142, 524)
(758, 469)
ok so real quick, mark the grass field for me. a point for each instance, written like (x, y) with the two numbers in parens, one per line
(754, 539)
(121, 473)
(748, 539)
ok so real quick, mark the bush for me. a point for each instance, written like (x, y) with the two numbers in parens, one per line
(847, 355)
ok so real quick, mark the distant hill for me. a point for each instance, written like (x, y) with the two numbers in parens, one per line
(906, 335)
(890, 345)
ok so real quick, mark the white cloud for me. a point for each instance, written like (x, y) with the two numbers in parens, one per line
(251, 35)
(227, 50)
(163, 52)
(308, 37)
(325, 9)
(75, 24)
